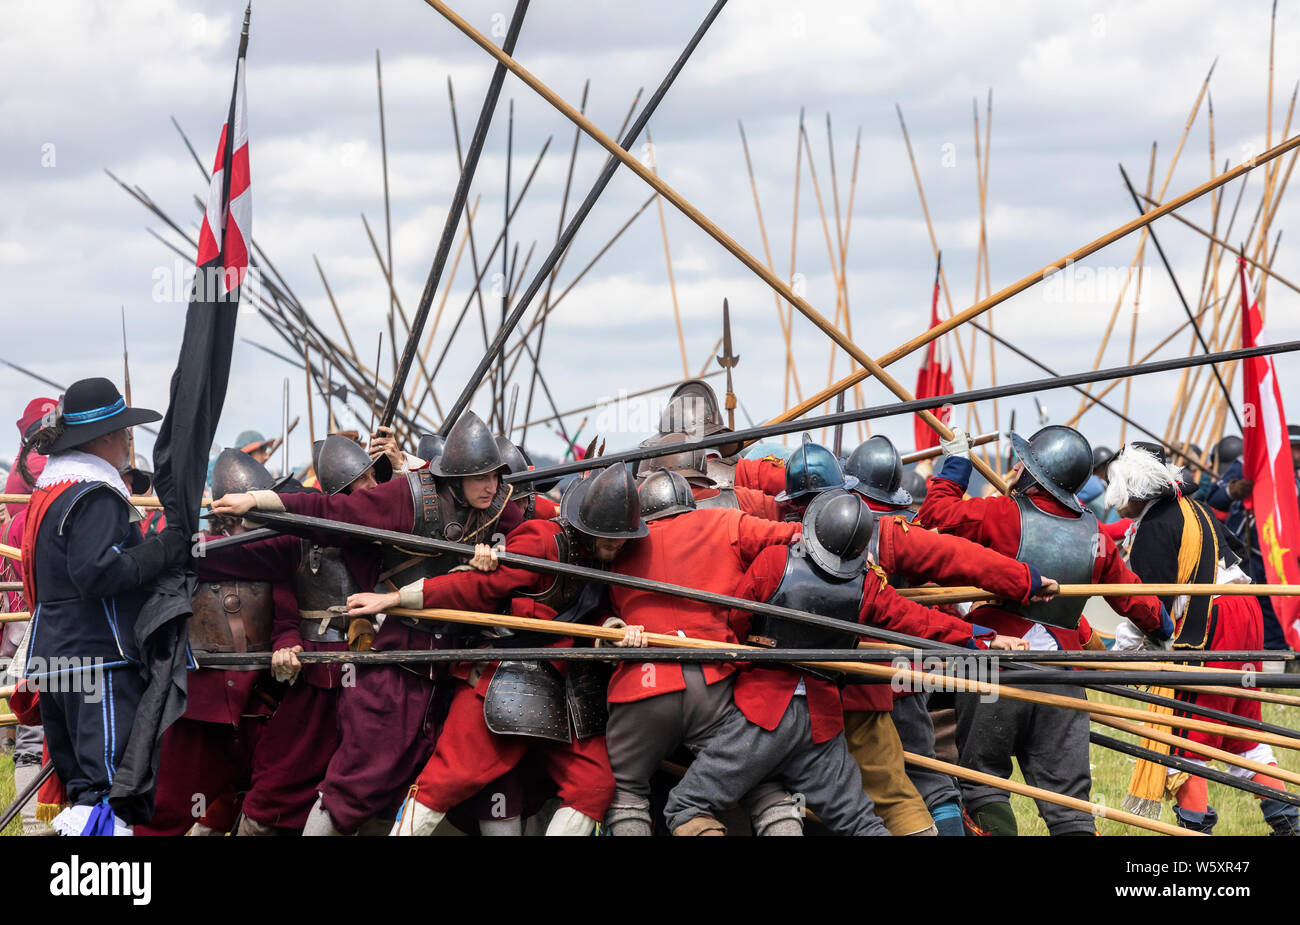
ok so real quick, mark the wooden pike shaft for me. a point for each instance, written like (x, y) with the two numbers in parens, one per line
(935, 595)
(9, 552)
(1002, 783)
(1168, 738)
(932, 452)
(871, 367)
(8, 719)
(1024, 283)
(884, 672)
(16, 616)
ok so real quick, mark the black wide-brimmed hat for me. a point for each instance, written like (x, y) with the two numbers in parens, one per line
(94, 407)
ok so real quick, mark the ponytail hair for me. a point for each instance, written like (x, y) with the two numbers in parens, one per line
(38, 439)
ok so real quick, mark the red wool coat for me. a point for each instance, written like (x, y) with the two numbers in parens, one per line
(708, 550)
(751, 501)
(995, 522)
(766, 475)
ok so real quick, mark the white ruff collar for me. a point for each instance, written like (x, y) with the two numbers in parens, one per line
(76, 466)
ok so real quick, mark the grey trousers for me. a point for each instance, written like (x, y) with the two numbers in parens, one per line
(27, 745)
(641, 734)
(743, 755)
(911, 716)
(1050, 744)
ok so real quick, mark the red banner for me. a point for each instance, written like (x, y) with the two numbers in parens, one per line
(933, 378)
(1266, 460)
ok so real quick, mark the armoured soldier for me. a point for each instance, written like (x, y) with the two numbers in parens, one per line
(1044, 524)
(811, 469)
(208, 753)
(656, 707)
(458, 497)
(499, 711)
(878, 468)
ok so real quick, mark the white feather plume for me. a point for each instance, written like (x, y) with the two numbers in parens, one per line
(1136, 474)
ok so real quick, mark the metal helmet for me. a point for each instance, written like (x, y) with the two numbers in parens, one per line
(837, 529)
(236, 471)
(512, 456)
(1059, 459)
(430, 447)
(916, 485)
(810, 469)
(690, 463)
(879, 471)
(664, 493)
(339, 461)
(605, 504)
(1227, 451)
(692, 409)
(1101, 456)
(470, 450)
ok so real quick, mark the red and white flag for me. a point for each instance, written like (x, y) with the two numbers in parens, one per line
(1266, 460)
(934, 377)
(228, 221)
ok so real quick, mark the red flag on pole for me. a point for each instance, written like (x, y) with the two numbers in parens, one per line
(935, 375)
(1266, 460)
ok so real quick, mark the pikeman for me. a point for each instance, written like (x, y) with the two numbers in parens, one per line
(208, 754)
(459, 496)
(911, 554)
(486, 734)
(295, 749)
(791, 723)
(88, 573)
(693, 409)
(1043, 524)
(656, 707)
(531, 498)
(1176, 540)
(810, 470)
(695, 466)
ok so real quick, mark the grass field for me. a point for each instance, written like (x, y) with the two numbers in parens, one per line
(1238, 811)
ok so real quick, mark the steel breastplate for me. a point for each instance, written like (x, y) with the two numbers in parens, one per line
(231, 616)
(1063, 548)
(564, 589)
(725, 498)
(322, 584)
(805, 588)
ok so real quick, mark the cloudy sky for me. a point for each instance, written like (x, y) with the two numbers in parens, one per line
(1077, 88)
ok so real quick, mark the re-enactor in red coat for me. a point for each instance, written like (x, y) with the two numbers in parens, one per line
(1050, 743)
(468, 755)
(655, 707)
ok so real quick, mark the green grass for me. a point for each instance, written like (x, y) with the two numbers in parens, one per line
(1238, 810)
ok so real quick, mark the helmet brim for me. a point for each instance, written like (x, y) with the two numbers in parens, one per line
(572, 500)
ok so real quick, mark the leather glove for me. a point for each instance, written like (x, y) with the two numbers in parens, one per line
(959, 445)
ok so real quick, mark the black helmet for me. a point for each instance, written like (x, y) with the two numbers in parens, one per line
(236, 471)
(339, 462)
(470, 450)
(879, 471)
(430, 447)
(916, 485)
(810, 469)
(512, 456)
(1227, 451)
(664, 493)
(605, 504)
(1101, 456)
(690, 463)
(1059, 459)
(837, 529)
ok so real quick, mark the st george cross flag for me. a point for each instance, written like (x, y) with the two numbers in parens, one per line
(1266, 460)
(198, 391)
(934, 377)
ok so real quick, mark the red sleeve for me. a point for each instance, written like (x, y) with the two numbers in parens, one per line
(1116, 529)
(918, 554)
(470, 589)
(754, 534)
(1142, 609)
(286, 626)
(271, 559)
(884, 607)
(384, 507)
(766, 475)
(758, 504)
(993, 522)
(544, 508)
